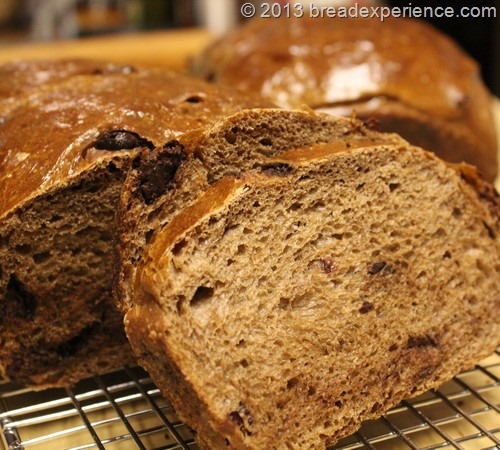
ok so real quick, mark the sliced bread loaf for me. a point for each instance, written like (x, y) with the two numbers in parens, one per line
(312, 286)
(65, 147)
(404, 74)
(162, 182)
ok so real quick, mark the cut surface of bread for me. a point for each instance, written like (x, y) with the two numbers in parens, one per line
(317, 288)
(65, 147)
(434, 97)
(164, 181)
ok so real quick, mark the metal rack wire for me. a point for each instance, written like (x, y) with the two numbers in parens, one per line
(124, 410)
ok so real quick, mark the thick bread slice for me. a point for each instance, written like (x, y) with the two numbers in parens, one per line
(65, 147)
(163, 181)
(316, 289)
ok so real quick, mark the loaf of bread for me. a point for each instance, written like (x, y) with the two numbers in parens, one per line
(65, 146)
(402, 74)
(303, 274)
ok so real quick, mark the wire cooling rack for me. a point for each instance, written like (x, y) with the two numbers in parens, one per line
(124, 410)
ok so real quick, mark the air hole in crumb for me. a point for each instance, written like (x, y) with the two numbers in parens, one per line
(294, 206)
(393, 186)
(457, 212)
(202, 294)
(472, 300)
(311, 390)
(241, 249)
(376, 267)
(23, 249)
(446, 255)
(284, 303)
(320, 204)
(392, 247)
(485, 268)
(179, 304)
(291, 383)
(366, 307)
(244, 363)
(179, 246)
(439, 233)
(266, 141)
(256, 204)
(39, 258)
(55, 218)
(231, 135)
(376, 407)
(148, 235)
(112, 168)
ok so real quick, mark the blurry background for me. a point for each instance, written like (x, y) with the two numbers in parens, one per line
(50, 20)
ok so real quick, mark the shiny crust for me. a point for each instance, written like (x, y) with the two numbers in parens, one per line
(402, 68)
(21, 76)
(48, 134)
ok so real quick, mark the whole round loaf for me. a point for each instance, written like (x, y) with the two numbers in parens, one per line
(402, 74)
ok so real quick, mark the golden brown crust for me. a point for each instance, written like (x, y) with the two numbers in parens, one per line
(45, 134)
(372, 67)
(20, 76)
(336, 60)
